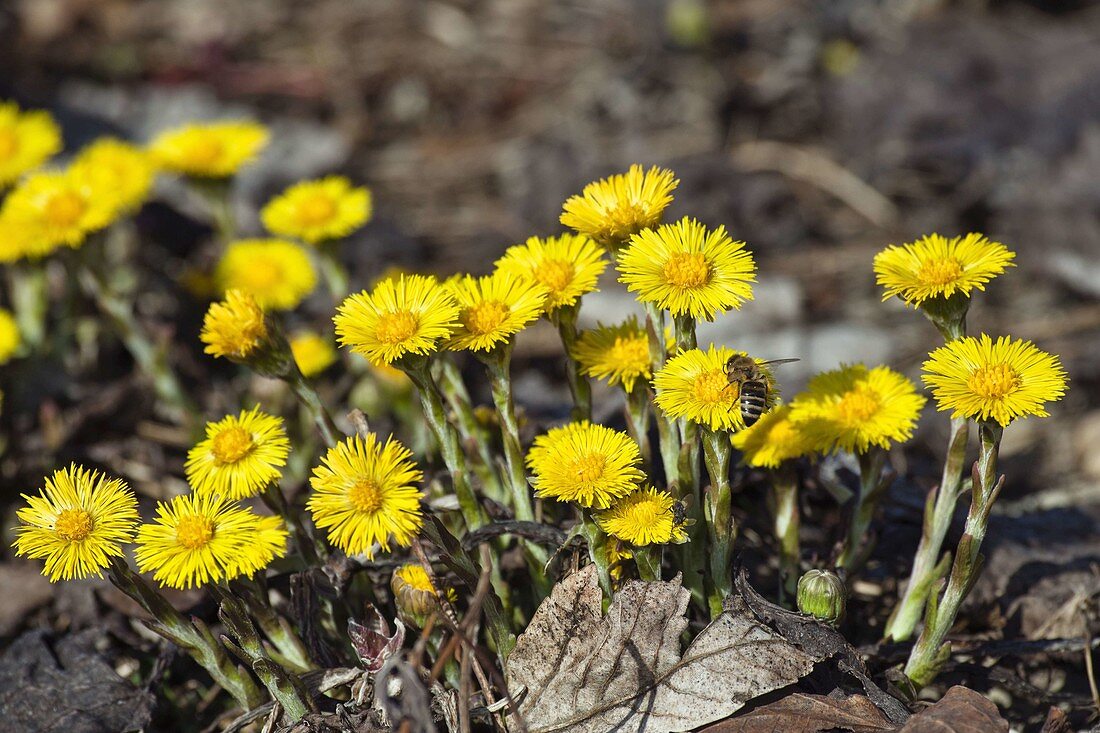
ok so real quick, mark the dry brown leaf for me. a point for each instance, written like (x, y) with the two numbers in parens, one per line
(959, 711)
(800, 713)
(589, 673)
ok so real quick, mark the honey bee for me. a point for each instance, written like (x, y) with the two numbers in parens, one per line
(752, 383)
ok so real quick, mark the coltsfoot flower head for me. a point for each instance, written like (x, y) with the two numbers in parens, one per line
(313, 353)
(365, 493)
(240, 456)
(197, 539)
(409, 314)
(77, 523)
(493, 309)
(687, 270)
(773, 439)
(937, 267)
(317, 211)
(568, 266)
(644, 517)
(612, 209)
(278, 273)
(998, 380)
(591, 465)
(10, 337)
(235, 328)
(417, 599)
(54, 209)
(209, 149)
(117, 170)
(693, 385)
(27, 140)
(619, 354)
(853, 408)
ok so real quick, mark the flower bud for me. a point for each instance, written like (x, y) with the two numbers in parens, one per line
(415, 596)
(822, 594)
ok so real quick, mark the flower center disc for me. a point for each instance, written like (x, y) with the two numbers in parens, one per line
(629, 354)
(64, 208)
(194, 531)
(397, 327)
(203, 151)
(940, 272)
(9, 144)
(687, 270)
(484, 317)
(232, 444)
(994, 381)
(858, 406)
(590, 468)
(73, 525)
(316, 209)
(711, 387)
(555, 274)
(365, 495)
(263, 275)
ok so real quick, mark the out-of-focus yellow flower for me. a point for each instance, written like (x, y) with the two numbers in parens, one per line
(773, 439)
(612, 209)
(591, 465)
(78, 522)
(568, 266)
(240, 456)
(493, 309)
(209, 149)
(316, 211)
(854, 408)
(278, 273)
(197, 539)
(118, 171)
(998, 380)
(27, 140)
(234, 328)
(48, 210)
(390, 376)
(693, 385)
(619, 354)
(687, 270)
(365, 492)
(409, 314)
(10, 337)
(644, 517)
(935, 266)
(312, 352)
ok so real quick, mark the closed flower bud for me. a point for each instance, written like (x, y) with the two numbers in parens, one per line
(822, 594)
(416, 597)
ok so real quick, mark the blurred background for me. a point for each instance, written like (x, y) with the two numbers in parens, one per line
(818, 132)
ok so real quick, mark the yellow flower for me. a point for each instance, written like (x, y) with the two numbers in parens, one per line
(773, 439)
(313, 353)
(409, 314)
(618, 553)
(693, 385)
(209, 149)
(10, 337)
(316, 211)
(54, 209)
(589, 464)
(493, 309)
(643, 517)
(118, 171)
(27, 140)
(934, 266)
(568, 266)
(687, 270)
(78, 522)
(612, 209)
(234, 328)
(364, 493)
(619, 354)
(240, 456)
(994, 380)
(197, 539)
(854, 408)
(278, 273)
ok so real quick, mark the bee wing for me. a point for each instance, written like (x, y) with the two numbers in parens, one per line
(779, 361)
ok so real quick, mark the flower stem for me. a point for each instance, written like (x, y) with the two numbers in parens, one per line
(637, 419)
(333, 270)
(565, 318)
(474, 435)
(871, 488)
(308, 396)
(648, 560)
(598, 551)
(497, 363)
(30, 301)
(931, 650)
(939, 510)
(721, 530)
(785, 507)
